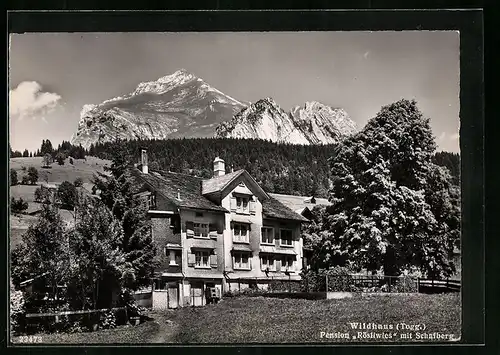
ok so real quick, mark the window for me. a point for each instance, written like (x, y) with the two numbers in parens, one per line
(286, 237)
(174, 257)
(242, 204)
(199, 214)
(240, 233)
(267, 262)
(267, 235)
(287, 263)
(202, 258)
(151, 202)
(201, 230)
(241, 260)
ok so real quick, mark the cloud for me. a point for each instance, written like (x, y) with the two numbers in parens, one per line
(28, 100)
(445, 136)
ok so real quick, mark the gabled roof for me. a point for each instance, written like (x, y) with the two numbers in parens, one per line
(300, 202)
(219, 183)
(272, 208)
(169, 185)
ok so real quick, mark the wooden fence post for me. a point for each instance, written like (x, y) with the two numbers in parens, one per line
(326, 282)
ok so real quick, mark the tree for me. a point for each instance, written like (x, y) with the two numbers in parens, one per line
(60, 157)
(31, 154)
(66, 195)
(46, 147)
(117, 193)
(47, 160)
(43, 195)
(25, 180)
(18, 205)
(392, 208)
(98, 269)
(26, 153)
(43, 251)
(71, 161)
(32, 175)
(13, 177)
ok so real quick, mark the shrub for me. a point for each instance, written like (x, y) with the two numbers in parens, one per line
(23, 168)
(404, 284)
(42, 194)
(17, 206)
(25, 180)
(32, 175)
(17, 312)
(60, 157)
(13, 177)
(107, 320)
(339, 280)
(71, 161)
(78, 182)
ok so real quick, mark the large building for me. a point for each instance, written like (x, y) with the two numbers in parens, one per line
(216, 235)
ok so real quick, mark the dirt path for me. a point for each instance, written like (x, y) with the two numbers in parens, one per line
(166, 329)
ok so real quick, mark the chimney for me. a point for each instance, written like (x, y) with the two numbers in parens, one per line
(144, 161)
(219, 167)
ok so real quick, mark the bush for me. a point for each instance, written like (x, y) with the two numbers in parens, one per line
(78, 182)
(17, 312)
(284, 286)
(42, 194)
(25, 180)
(405, 284)
(339, 280)
(13, 177)
(17, 206)
(60, 157)
(32, 175)
(71, 161)
(107, 320)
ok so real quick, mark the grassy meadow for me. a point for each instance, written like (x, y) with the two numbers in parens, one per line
(270, 320)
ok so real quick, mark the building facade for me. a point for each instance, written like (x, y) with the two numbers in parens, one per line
(216, 235)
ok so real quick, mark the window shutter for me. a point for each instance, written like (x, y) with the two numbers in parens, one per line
(220, 228)
(178, 258)
(250, 260)
(233, 204)
(191, 259)
(213, 260)
(278, 265)
(212, 230)
(252, 207)
(189, 228)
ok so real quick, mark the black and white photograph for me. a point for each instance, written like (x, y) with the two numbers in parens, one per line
(235, 187)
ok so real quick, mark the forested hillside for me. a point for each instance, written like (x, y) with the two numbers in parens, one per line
(280, 168)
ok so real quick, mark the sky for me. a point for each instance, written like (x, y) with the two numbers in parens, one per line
(52, 75)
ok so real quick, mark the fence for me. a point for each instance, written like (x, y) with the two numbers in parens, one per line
(55, 321)
(390, 284)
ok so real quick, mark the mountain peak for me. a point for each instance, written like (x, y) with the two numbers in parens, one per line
(313, 123)
(181, 75)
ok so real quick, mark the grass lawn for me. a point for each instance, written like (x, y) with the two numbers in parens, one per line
(270, 320)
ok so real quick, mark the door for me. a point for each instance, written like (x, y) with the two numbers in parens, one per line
(197, 294)
(160, 295)
(173, 295)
